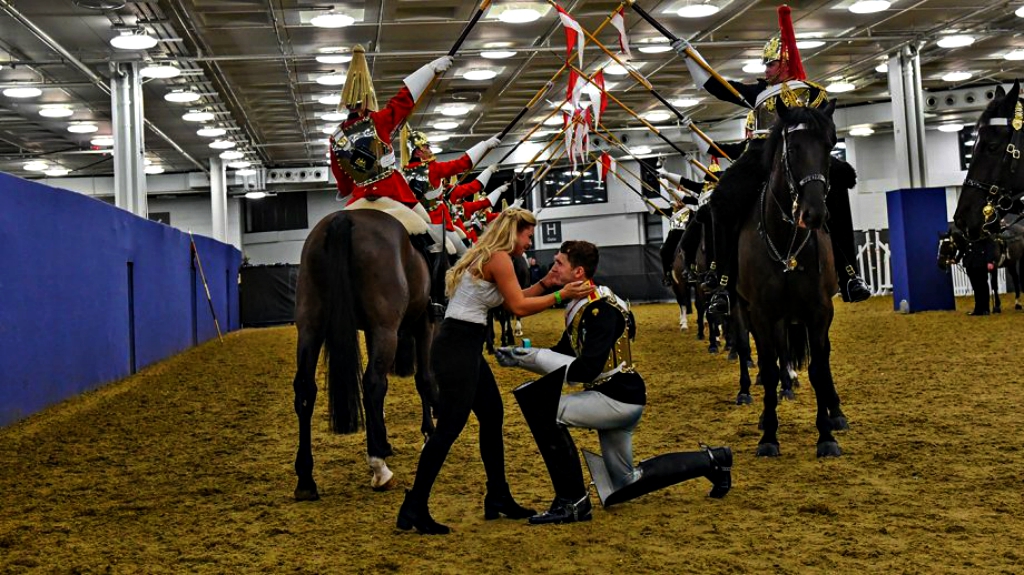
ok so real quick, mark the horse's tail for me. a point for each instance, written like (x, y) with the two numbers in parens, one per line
(798, 344)
(344, 361)
(405, 355)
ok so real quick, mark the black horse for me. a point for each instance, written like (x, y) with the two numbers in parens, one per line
(787, 275)
(981, 260)
(360, 271)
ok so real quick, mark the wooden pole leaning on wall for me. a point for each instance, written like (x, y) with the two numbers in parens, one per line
(206, 286)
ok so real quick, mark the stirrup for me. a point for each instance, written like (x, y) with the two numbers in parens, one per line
(436, 311)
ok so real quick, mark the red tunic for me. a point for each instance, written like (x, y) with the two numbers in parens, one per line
(441, 213)
(463, 191)
(394, 186)
(471, 234)
(470, 208)
(437, 171)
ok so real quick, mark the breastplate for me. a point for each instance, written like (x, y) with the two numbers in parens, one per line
(793, 94)
(362, 155)
(620, 359)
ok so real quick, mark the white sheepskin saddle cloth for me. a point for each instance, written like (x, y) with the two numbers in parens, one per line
(413, 223)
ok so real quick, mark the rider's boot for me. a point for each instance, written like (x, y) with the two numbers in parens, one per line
(719, 303)
(852, 288)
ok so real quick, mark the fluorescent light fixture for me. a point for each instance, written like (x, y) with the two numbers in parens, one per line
(808, 44)
(1020, 12)
(479, 75)
(498, 54)
(955, 41)
(245, 172)
(102, 141)
(182, 96)
(334, 58)
(640, 150)
(56, 112)
(439, 138)
(840, 145)
(754, 67)
(197, 116)
(1017, 54)
(57, 172)
(954, 127)
(698, 9)
(161, 71)
(957, 76)
(658, 116)
(455, 110)
(327, 130)
(330, 99)
(36, 166)
(685, 102)
(555, 120)
(654, 46)
(519, 15)
(23, 92)
(82, 128)
(332, 19)
(331, 80)
(840, 87)
(333, 117)
(861, 131)
(969, 143)
(133, 40)
(869, 6)
(232, 155)
(446, 125)
(211, 132)
(436, 149)
(239, 165)
(154, 170)
(882, 68)
(255, 195)
(615, 70)
(147, 161)
(222, 144)
(522, 169)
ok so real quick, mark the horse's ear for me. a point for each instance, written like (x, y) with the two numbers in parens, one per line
(1010, 102)
(830, 108)
(1000, 92)
(781, 108)
(1015, 91)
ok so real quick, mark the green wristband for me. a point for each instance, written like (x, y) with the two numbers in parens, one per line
(558, 297)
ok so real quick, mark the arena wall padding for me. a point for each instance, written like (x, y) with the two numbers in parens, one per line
(917, 217)
(64, 280)
(268, 294)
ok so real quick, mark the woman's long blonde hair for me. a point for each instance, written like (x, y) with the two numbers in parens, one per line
(500, 236)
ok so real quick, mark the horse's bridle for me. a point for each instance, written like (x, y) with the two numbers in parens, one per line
(789, 260)
(1000, 198)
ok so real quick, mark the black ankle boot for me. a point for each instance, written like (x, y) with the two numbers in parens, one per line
(414, 513)
(499, 501)
(565, 511)
(720, 475)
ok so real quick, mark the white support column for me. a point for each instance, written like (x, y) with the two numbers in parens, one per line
(908, 118)
(129, 144)
(219, 199)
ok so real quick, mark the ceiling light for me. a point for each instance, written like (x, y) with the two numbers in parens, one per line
(327, 129)
(147, 161)
(446, 125)
(245, 172)
(436, 149)
(840, 87)
(439, 138)
(1020, 12)
(554, 121)
(255, 195)
(222, 144)
(882, 68)
(334, 58)
(840, 145)
(239, 165)
(497, 54)
(754, 67)
(211, 132)
(133, 40)
(519, 15)
(957, 76)
(332, 19)
(56, 112)
(869, 6)
(808, 44)
(333, 117)
(36, 166)
(861, 131)
(454, 110)
(954, 127)
(640, 150)
(232, 155)
(479, 74)
(161, 71)
(23, 92)
(330, 99)
(1017, 54)
(615, 70)
(685, 102)
(522, 169)
(57, 172)
(181, 96)
(955, 41)
(82, 128)
(197, 116)
(153, 170)
(102, 141)
(331, 80)
(969, 143)
(658, 116)
(654, 46)
(698, 9)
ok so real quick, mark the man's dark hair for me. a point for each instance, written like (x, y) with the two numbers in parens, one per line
(581, 254)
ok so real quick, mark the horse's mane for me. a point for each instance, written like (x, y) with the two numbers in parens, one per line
(813, 117)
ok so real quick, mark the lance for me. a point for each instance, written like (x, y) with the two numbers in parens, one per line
(618, 143)
(641, 195)
(206, 286)
(689, 52)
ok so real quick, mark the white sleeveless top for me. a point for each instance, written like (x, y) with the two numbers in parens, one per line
(472, 298)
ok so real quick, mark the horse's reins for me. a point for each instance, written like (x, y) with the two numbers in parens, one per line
(789, 260)
(1002, 198)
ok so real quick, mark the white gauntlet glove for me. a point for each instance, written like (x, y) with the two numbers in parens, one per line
(671, 177)
(441, 65)
(700, 75)
(418, 81)
(492, 142)
(495, 196)
(485, 176)
(539, 360)
(516, 204)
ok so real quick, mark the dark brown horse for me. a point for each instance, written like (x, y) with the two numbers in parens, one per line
(359, 271)
(787, 275)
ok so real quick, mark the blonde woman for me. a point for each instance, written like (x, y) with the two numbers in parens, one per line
(482, 279)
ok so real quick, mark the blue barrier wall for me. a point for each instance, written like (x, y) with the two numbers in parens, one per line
(89, 292)
(916, 218)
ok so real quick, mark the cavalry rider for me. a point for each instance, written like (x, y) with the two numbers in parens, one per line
(741, 183)
(594, 352)
(682, 207)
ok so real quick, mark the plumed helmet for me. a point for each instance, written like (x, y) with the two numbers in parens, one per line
(358, 83)
(772, 50)
(714, 168)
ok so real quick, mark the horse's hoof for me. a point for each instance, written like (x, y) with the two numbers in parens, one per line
(1018, 307)
(787, 394)
(712, 349)
(840, 424)
(733, 356)
(768, 450)
(306, 492)
(700, 337)
(794, 382)
(829, 449)
(744, 399)
(388, 485)
(997, 310)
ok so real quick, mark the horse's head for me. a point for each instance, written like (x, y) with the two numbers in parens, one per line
(798, 154)
(994, 175)
(949, 249)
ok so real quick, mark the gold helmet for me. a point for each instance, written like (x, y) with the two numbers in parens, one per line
(358, 83)
(772, 50)
(749, 123)
(714, 168)
(412, 139)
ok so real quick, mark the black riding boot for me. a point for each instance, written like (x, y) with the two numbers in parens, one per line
(668, 254)
(414, 513)
(437, 264)
(713, 463)
(499, 501)
(690, 244)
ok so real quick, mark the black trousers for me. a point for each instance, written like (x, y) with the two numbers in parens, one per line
(668, 249)
(465, 384)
